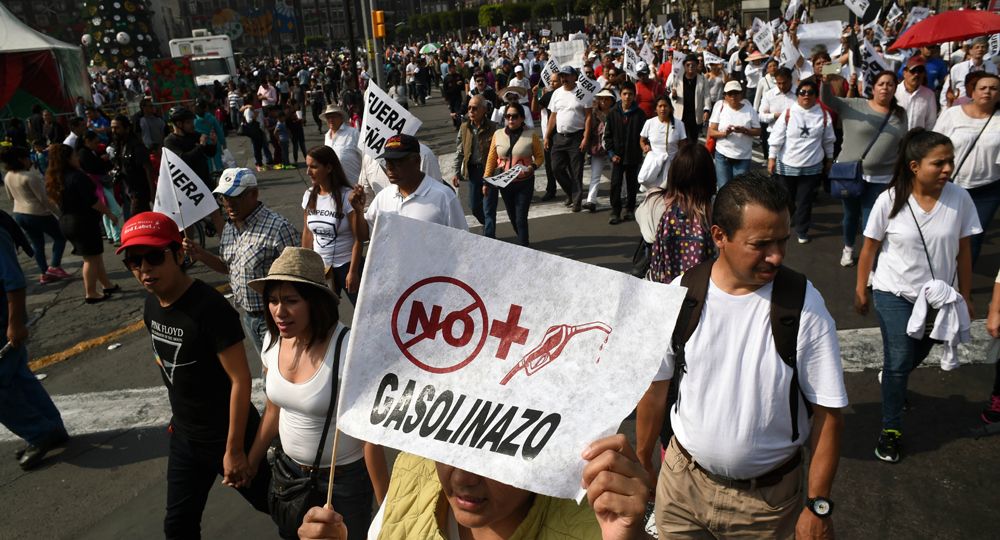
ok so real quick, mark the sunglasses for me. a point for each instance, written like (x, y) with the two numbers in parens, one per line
(154, 258)
(733, 93)
(511, 116)
(806, 93)
(917, 69)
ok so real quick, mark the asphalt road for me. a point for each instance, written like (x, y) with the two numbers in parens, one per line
(110, 481)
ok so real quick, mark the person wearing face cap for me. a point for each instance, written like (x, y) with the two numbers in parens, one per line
(520, 80)
(646, 90)
(344, 140)
(567, 136)
(513, 95)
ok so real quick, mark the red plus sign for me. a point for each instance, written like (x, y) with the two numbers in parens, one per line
(508, 331)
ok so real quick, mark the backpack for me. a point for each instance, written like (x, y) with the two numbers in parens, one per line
(787, 298)
(682, 242)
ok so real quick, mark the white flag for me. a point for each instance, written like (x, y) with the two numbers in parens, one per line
(894, 13)
(733, 44)
(182, 194)
(668, 30)
(872, 64)
(789, 54)
(764, 39)
(858, 7)
(646, 53)
(631, 59)
(756, 26)
(793, 6)
(383, 118)
(710, 59)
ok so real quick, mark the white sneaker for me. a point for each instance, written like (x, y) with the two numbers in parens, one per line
(847, 257)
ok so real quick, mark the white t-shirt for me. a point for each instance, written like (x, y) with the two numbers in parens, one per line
(980, 168)
(663, 137)
(805, 140)
(374, 179)
(432, 201)
(733, 415)
(569, 110)
(736, 145)
(902, 265)
(345, 144)
(304, 406)
(961, 70)
(332, 235)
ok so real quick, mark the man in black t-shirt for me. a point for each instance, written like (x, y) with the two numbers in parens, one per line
(197, 341)
(131, 166)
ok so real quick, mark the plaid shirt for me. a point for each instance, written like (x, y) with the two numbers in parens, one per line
(249, 252)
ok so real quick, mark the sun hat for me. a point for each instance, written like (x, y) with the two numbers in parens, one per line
(333, 109)
(298, 265)
(606, 93)
(733, 86)
(151, 229)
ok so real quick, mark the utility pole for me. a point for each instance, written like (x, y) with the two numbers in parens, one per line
(351, 43)
(365, 14)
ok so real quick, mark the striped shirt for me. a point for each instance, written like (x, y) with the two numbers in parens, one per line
(249, 252)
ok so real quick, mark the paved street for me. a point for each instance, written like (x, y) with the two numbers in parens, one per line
(110, 481)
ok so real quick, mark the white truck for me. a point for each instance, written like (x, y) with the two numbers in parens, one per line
(211, 57)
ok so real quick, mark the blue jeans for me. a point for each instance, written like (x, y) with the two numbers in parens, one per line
(256, 327)
(728, 168)
(987, 201)
(25, 407)
(484, 208)
(35, 228)
(517, 200)
(858, 208)
(901, 354)
(113, 232)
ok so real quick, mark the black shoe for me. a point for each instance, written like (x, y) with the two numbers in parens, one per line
(568, 203)
(577, 206)
(615, 220)
(112, 290)
(889, 447)
(97, 300)
(591, 207)
(629, 216)
(20, 452)
(548, 197)
(33, 455)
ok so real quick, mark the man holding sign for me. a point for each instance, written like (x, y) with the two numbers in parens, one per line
(567, 136)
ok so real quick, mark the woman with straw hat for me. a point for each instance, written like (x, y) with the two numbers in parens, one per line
(303, 357)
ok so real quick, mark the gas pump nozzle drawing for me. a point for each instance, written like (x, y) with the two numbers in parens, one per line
(553, 342)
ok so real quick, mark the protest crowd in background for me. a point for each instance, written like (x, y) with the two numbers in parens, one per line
(779, 111)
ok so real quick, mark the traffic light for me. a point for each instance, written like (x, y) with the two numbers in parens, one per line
(378, 24)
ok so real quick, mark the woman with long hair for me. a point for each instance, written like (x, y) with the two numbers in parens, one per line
(661, 135)
(862, 120)
(332, 225)
(302, 374)
(75, 194)
(512, 146)
(920, 227)
(683, 232)
(34, 212)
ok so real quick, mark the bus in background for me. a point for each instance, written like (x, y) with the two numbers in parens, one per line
(211, 56)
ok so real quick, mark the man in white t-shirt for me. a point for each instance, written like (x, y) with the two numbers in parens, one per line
(344, 140)
(567, 136)
(412, 193)
(775, 102)
(373, 178)
(734, 465)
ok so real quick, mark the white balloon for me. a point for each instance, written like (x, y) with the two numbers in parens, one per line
(123, 38)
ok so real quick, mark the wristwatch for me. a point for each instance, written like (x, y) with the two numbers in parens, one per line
(821, 506)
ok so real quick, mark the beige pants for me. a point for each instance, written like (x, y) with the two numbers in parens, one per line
(690, 505)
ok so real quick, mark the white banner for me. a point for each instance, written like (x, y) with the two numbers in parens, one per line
(631, 59)
(585, 89)
(789, 54)
(764, 39)
(710, 58)
(871, 65)
(615, 43)
(551, 66)
(504, 179)
(668, 30)
(858, 7)
(545, 32)
(917, 14)
(646, 53)
(181, 193)
(677, 67)
(756, 26)
(568, 53)
(894, 13)
(821, 33)
(446, 362)
(733, 44)
(793, 6)
(383, 119)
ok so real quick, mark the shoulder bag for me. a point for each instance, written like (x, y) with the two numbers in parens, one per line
(931, 312)
(293, 491)
(954, 173)
(846, 181)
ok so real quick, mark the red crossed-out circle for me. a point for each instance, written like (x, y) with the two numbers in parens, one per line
(476, 304)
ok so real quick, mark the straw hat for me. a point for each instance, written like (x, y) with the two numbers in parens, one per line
(299, 265)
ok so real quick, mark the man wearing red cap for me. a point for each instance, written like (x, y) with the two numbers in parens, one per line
(198, 344)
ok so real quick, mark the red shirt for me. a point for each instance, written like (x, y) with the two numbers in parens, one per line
(646, 94)
(664, 72)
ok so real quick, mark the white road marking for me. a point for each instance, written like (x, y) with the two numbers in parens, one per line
(98, 412)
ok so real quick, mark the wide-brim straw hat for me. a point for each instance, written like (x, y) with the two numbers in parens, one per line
(298, 265)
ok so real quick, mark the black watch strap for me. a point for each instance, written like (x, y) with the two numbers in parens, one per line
(821, 506)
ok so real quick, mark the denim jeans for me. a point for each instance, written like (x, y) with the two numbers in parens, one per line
(597, 166)
(483, 208)
(858, 208)
(25, 407)
(802, 195)
(256, 328)
(517, 200)
(728, 168)
(35, 228)
(114, 232)
(987, 201)
(193, 467)
(901, 354)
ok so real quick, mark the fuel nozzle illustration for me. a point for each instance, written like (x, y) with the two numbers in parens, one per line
(552, 345)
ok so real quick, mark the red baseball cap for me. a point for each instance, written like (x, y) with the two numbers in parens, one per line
(151, 229)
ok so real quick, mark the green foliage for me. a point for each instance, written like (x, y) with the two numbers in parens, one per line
(544, 9)
(490, 15)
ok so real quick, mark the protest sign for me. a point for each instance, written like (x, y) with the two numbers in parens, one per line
(916, 15)
(994, 46)
(710, 59)
(585, 89)
(181, 193)
(764, 39)
(668, 30)
(615, 43)
(826, 34)
(756, 26)
(545, 32)
(383, 119)
(858, 7)
(793, 7)
(776, 25)
(789, 54)
(894, 13)
(733, 44)
(551, 66)
(646, 53)
(631, 59)
(504, 179)
(677, 66)
(568, 53)
(872, 64)
(447, 361)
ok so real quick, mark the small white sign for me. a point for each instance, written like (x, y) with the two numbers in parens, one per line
(383, 118)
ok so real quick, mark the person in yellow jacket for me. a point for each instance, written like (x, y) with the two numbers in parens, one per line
(434, 501)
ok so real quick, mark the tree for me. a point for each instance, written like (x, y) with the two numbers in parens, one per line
(119, 32)
(490, 15)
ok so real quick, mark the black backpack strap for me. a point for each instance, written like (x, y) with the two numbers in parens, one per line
(696, 280)
(334, 386)
(787, 299)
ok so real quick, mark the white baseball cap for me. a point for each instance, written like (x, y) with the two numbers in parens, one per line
(235, 181)
(518, 68)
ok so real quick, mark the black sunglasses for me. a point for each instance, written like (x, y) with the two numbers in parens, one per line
(154, 258)
(917, 69)
(511, 116)
(806, 92)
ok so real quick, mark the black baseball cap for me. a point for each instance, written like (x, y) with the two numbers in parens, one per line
(400, 146)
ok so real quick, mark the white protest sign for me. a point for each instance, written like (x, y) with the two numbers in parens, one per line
(504, 179)
(646, 53)
(917, 14)
(383, 119)
(545, 32)
(568, 53)
(776, 25)
(872, 64)
(668, 30)
(677, 67)
(821, 33)
(994, 46)
(499, 381)
(789, 54)
(181, 193)
(734, 43)
(793, 6)
(720, 40)
(756, 26)
(615, 43)
(764, 39)
(585, 89)
(880, 34)
(551, 66)
(631, 59)
(894, 13)
(858, 7)
(710, 59)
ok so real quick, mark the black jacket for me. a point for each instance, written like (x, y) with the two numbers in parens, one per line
(621, 133)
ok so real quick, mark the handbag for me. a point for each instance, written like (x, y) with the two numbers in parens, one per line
(292, 492)
(846, 181)
(931, 312)
(954, 174)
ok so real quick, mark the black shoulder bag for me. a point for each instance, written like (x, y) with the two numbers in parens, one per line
(846, 177)
(293, 492)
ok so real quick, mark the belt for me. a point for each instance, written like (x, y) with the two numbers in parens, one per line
(765, 480)
(308, 469)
